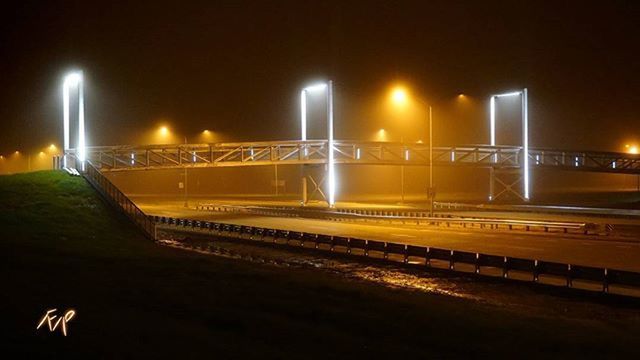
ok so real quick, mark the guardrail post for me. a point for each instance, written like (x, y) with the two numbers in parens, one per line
(451, 260)
(536, 271)
(427, 257)
(605, 281)
(406, 254)
(505, 268)
(477, 263)
(569, 276)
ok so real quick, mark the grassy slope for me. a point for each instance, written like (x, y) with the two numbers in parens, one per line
(62, 247)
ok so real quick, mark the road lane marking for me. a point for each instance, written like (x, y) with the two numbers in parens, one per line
(405, 235)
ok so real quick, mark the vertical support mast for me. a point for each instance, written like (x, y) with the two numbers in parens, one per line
(331, 170)
(525, 146)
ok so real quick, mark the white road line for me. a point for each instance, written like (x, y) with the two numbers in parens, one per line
(405, 235)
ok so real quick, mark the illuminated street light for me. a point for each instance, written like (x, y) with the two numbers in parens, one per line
(525, 134)
(74, 79)
(328, 89)
(399, 96)
(632, 149)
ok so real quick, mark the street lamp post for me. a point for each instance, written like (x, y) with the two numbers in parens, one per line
(399, 97)
(431, 191)
(186, 179)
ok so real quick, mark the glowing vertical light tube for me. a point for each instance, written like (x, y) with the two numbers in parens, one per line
(492, 117)
(65, 114)
(406, 154)
(525, 140)
(492, 125)
(332, 180)
(81, 132)
(73, 79)
(358, 154)
(303, 115)
(133, 159)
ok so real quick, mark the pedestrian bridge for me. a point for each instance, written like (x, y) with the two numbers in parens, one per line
(129, 158)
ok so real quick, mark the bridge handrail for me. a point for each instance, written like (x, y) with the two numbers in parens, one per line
(118, 199)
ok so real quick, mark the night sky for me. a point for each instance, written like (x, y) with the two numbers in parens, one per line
(237, 67)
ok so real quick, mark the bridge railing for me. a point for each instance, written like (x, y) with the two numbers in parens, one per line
(119, 200)
(125, 157)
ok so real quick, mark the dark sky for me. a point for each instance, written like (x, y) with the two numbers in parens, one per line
(236, 67)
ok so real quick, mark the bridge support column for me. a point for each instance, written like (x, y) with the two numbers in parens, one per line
(304, 190)
(505, 183)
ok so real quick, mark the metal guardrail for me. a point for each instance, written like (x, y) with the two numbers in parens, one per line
(410, 217)
(506, 265)
(119, 200)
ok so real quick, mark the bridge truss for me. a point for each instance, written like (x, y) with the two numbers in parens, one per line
(504, 162)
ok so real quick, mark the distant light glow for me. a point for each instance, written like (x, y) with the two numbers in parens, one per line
(633, 150)
(164, 131)
(399, 95)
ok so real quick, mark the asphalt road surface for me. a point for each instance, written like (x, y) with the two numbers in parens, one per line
(597, 251)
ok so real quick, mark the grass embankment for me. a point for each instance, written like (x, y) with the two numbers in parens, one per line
(64, 248)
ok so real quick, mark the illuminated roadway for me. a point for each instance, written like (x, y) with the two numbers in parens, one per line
(575, 249)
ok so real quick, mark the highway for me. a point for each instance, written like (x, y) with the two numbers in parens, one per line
(600, 251)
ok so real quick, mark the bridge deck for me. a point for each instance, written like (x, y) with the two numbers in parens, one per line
(126, 158)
